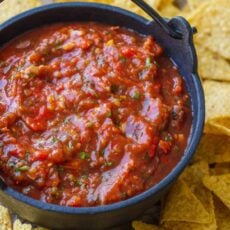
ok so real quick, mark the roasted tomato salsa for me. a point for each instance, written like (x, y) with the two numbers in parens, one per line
(90, 114)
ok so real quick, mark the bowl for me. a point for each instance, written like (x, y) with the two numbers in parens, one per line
(183, 54)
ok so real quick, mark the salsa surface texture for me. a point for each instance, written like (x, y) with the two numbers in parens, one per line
(90, 114)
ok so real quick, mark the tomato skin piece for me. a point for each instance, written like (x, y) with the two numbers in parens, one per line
(129, 52)
(165, 146)
(39, 123)
(153, 148)
(152, 151)
(40, 155)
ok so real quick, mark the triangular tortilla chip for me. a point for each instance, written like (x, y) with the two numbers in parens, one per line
(176, 225)
(213, 25)
(217, 107)
(182, 205)
(213, 149)
(138, 225)
(220, 186)
(222, 215)
(9, 8)
(193, 176)
(211, 65)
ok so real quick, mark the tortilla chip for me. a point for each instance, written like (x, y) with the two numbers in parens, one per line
(212, 21)
(172, 8)
(10, 8)
(217, 107)
(212, 66)
(182, 205)
(167, 9)
(5, 221)
(194, 4)
(19, 226)
(222, 215)
(213, 149)
(176, 225)
(128, 5)
(193, 176)
(138, 225)
(222, 168)
(219, 126)
(220, 186)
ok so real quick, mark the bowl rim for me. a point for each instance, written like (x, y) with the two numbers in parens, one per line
(164, 182)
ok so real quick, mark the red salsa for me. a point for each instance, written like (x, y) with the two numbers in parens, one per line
(90, 114)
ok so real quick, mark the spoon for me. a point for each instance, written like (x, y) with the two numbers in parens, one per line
(158, 19)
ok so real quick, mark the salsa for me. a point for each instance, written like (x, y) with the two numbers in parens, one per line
(90, 114)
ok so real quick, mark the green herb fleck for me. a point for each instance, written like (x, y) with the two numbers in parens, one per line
(31, 75)
(54, 139)
(108, 114)
(108, 163)
(78, 183)
(89, 125)
(84, 155)
(124, 195)
(167, 137)
(60, 169)
(11, 164)
(84, 177)
(136, 96)
(148, 62)
(27, 154)
(96, 95)
(114, 88)
(22, 168)
(102, 152)
(66, 121)
(176, 148)
(122, 59)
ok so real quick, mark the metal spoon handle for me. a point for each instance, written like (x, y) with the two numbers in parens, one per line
(158, 19)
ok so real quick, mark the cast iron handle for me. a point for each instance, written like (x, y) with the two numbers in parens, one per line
(158, 19)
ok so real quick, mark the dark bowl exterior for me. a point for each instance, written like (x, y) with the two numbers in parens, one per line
(182, 53)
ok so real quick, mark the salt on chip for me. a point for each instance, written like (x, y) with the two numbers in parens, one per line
(19, 226)
(217, 107)
(213, 149)
(138, 225)
(220, 186)
(182, 205)
(222, 215)
(5, 221)
(9, 8)
(212, 21)
(212, 66)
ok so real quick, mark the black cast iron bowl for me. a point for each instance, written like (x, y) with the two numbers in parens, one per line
(182, 53)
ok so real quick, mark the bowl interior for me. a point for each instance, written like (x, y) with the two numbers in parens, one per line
(181, 51)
